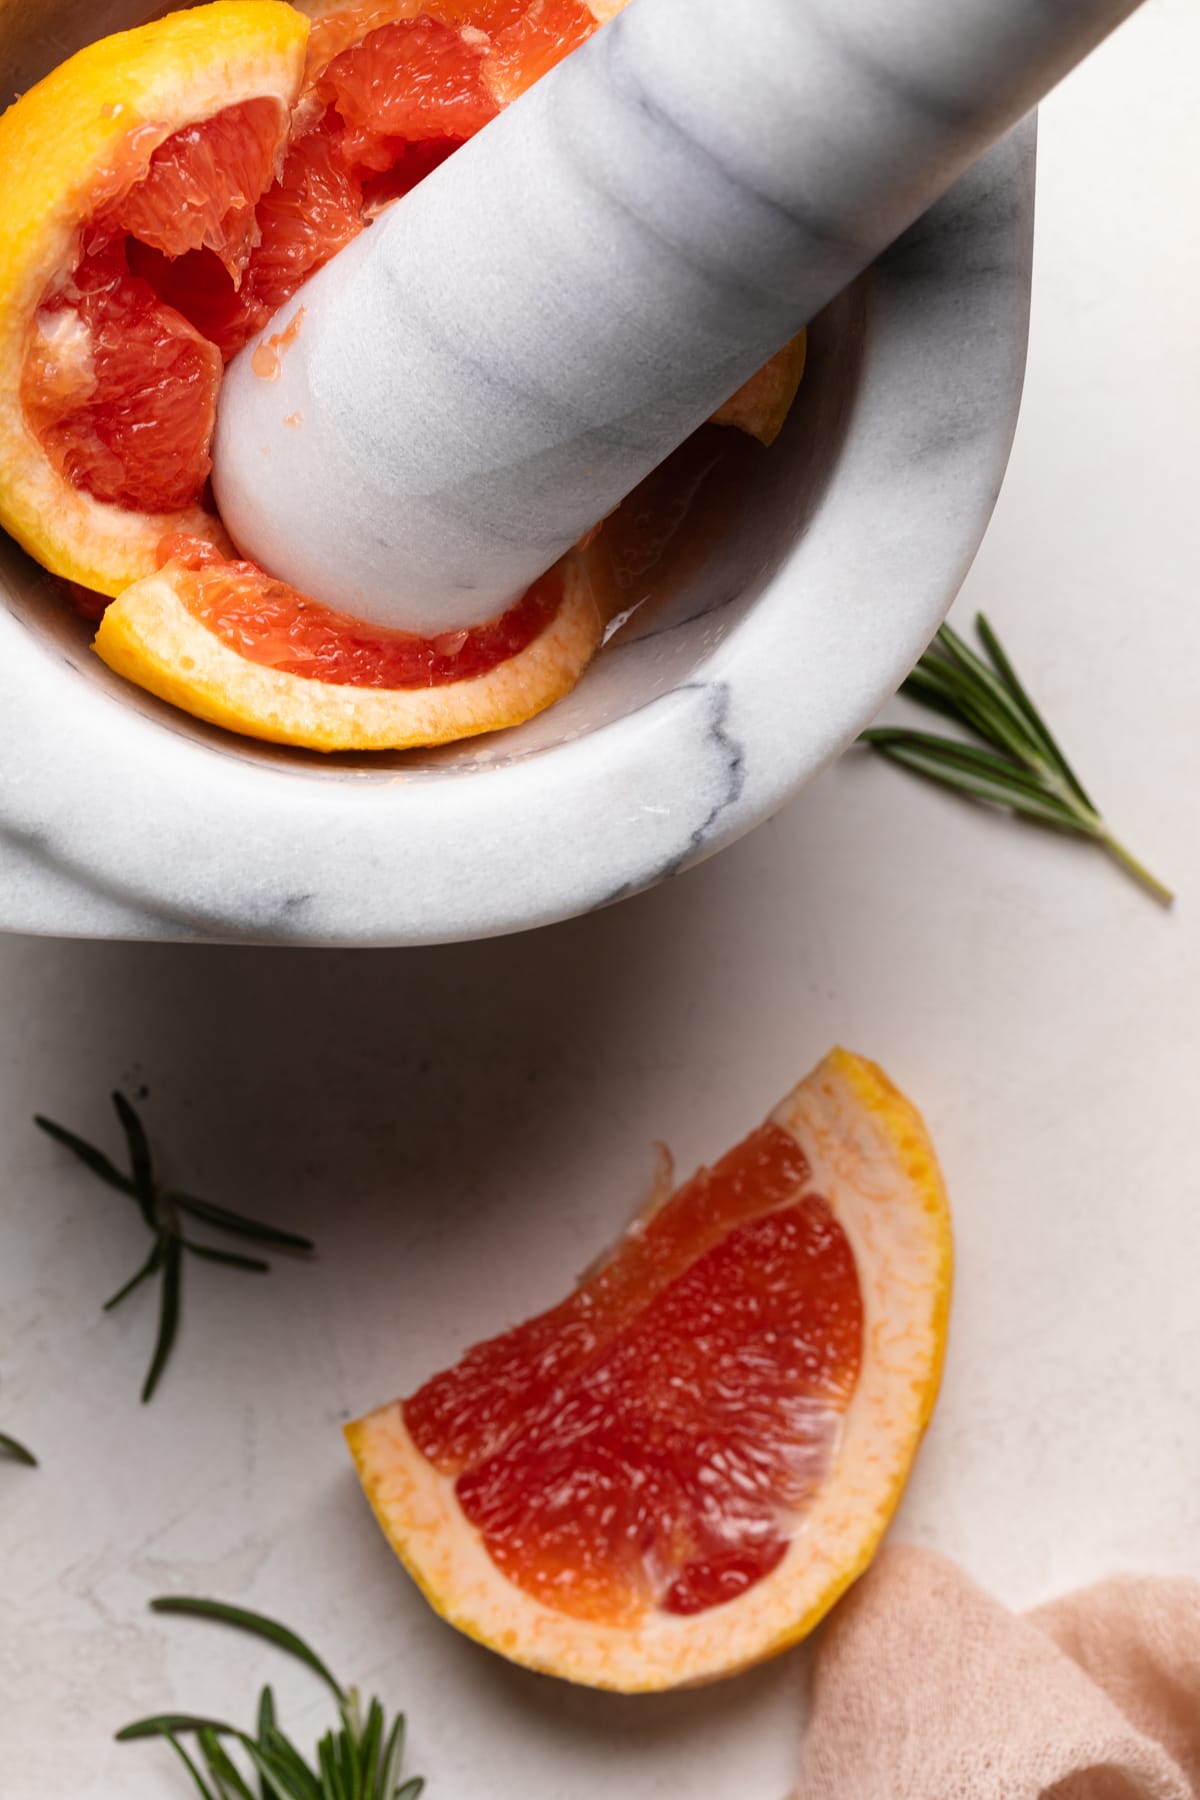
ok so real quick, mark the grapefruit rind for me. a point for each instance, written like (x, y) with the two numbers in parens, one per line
(56, 143)
(761, 405)
(149, 636)
(873, 1161)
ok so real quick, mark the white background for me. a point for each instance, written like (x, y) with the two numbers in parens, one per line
(464, 1128)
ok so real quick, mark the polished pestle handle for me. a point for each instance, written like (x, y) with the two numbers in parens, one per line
(467, 387)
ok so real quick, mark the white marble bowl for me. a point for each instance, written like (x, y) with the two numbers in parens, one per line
(810, 595)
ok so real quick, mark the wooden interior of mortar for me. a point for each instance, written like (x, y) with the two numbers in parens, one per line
(721, 562)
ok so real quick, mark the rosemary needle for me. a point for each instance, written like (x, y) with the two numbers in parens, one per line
(162, 1210)
(16, 1451)
(359, 1760)
(1016, 761)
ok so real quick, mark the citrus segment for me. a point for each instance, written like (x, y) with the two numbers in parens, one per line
(201, 185)
(312, 209)
(270, 623)
(462, 1416)
(121, 391)
(156, 634)
(761, 405)
(677, 1471)
(411, 80)
(668, 1471)
(524, 50)
(73, 149)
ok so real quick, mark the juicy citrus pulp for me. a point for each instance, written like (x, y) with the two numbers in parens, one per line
(676, 1471)
(271, 623)
(107, 393)
(229, 645)
(641, 1445)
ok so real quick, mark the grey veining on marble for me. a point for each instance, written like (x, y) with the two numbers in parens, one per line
(491, 368)
(122, 817)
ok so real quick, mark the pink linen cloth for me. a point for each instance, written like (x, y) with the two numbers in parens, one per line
(925, 1688)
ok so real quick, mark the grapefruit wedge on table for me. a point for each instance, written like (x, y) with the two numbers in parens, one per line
(165, 191)
(677, 1471)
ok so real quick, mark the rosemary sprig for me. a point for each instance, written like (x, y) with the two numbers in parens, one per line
(162, 1211)
(359, 1760)
(1022, 766)
(16, 1451)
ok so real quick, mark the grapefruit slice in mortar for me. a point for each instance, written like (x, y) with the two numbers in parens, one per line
(167, 190)
(228, 644)
(676, 1472)
(165, 137)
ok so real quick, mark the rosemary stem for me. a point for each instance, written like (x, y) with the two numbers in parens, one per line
(1097, 829)
(1009, 756)
(1138, 870)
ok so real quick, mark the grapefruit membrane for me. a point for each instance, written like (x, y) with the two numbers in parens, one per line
(676, 1471)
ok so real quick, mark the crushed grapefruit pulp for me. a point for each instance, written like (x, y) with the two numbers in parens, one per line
(121, 390)
(652, 1441)
(120, 387)
(187, 252)
(270, 623)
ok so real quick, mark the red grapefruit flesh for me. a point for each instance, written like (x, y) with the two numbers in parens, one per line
(120, 387)
(531, 44)
(243, 664)
(463, 1415)
(640, 1444)
(121, 390)
(170, 130)
(270, 623)
(663, 1473)
(202, 184)
(314, 207)
(411, 81)
(385, 102)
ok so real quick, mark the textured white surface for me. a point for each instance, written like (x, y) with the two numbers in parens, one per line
(462, 1127)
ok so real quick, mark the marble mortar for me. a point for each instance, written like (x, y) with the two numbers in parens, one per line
(801, 610)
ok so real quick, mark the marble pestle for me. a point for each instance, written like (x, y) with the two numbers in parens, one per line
(467, 387)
